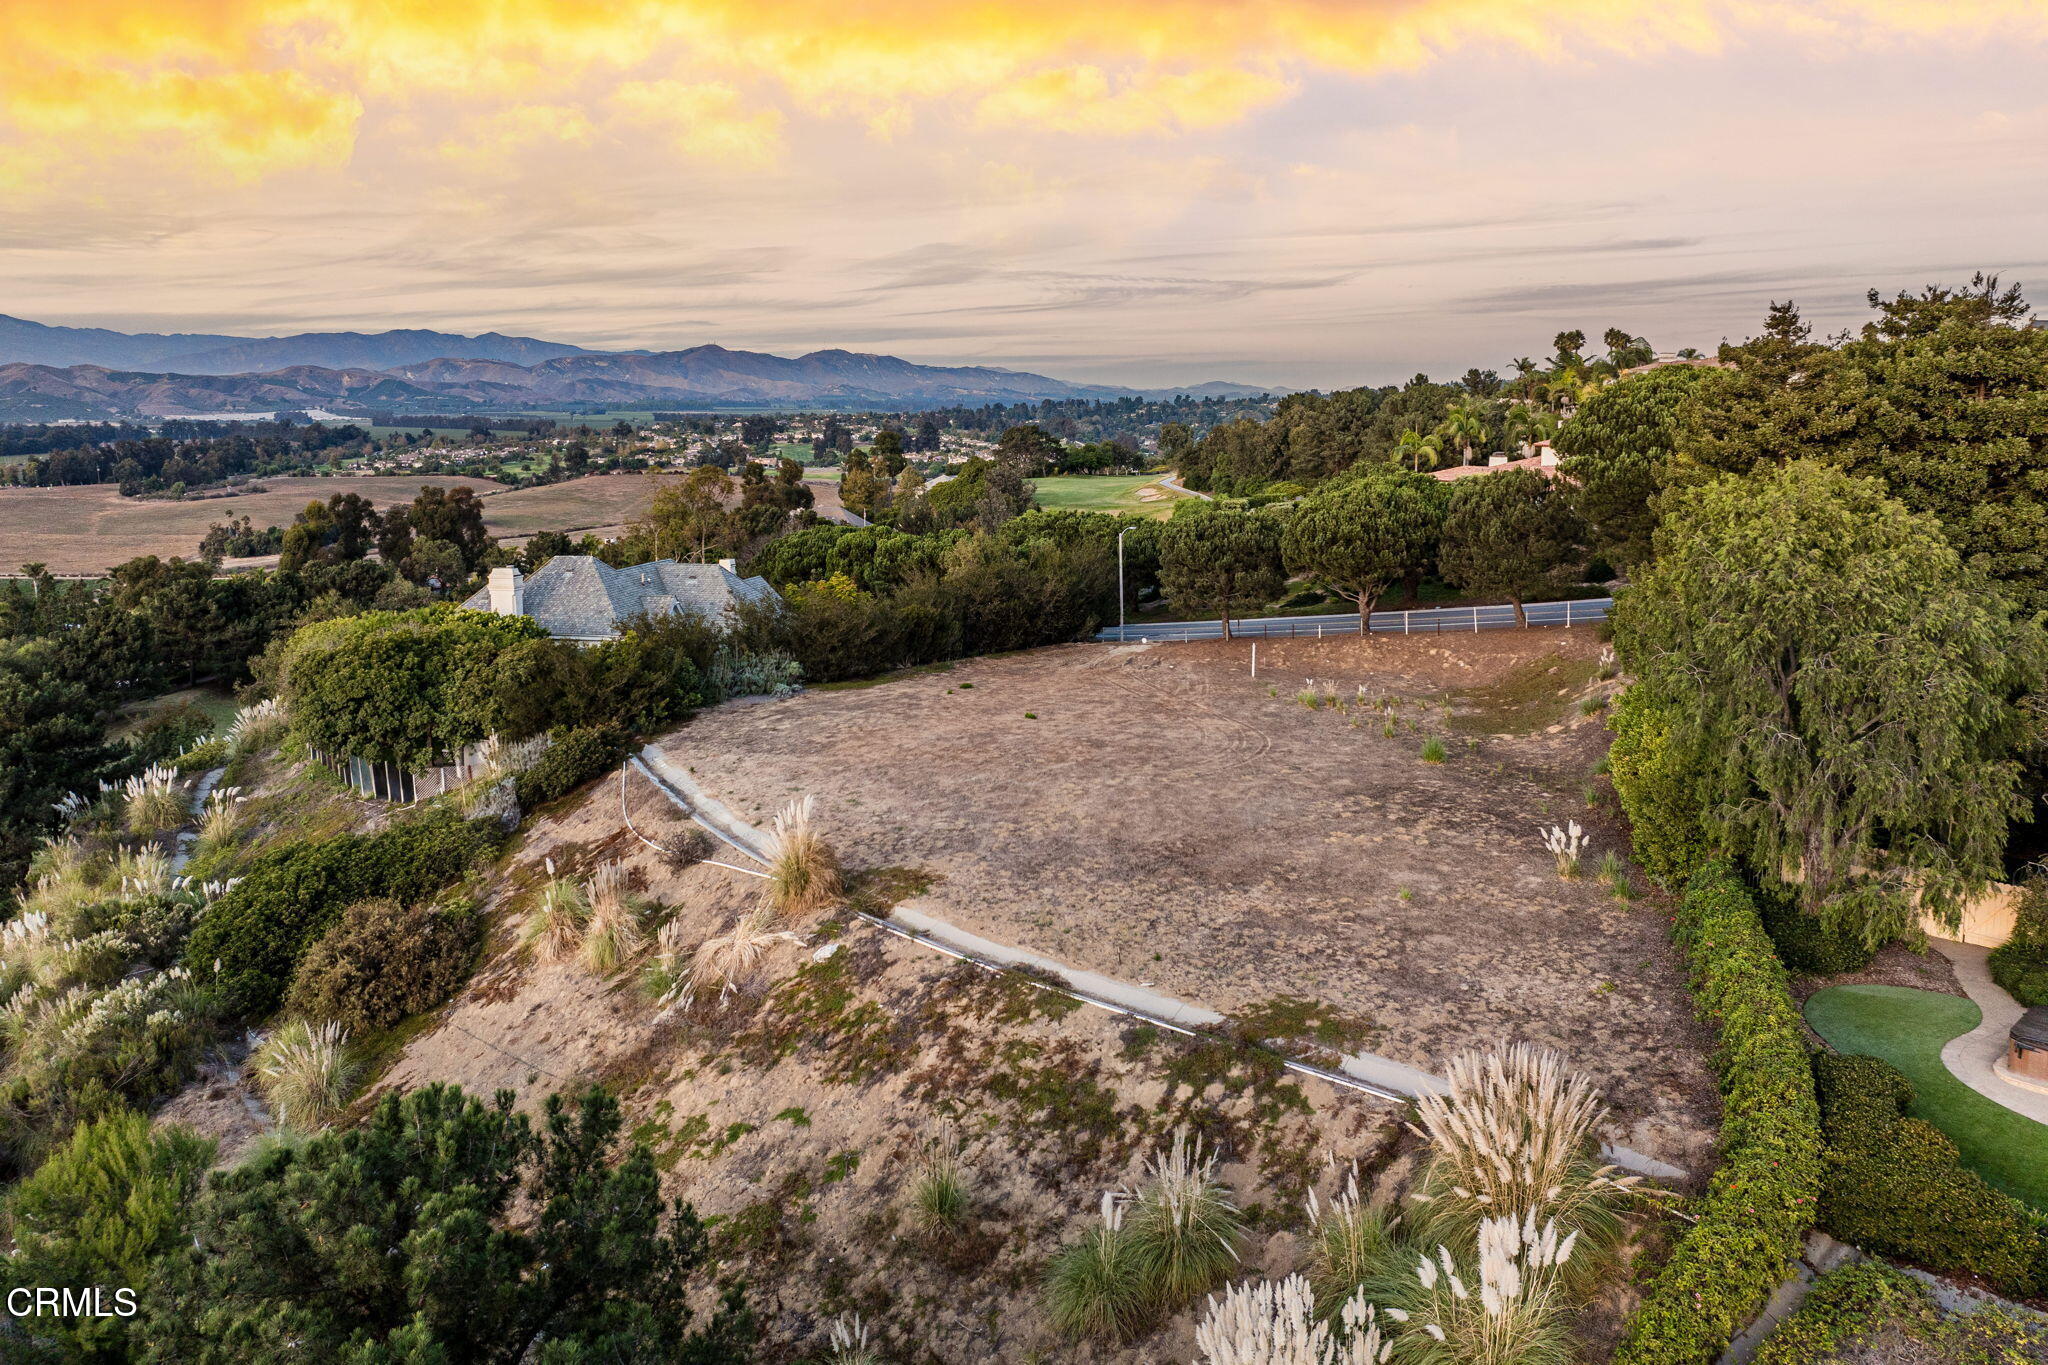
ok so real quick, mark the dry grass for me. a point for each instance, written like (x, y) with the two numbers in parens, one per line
(727, 963)
(258, 727)
(222, 814)
(613, 928)
(803, 873)
(88, 529)
(596, 500)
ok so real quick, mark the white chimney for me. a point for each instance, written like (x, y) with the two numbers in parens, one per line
(508, 591)
(1549, 456)
(1494, 461)
(729, 565)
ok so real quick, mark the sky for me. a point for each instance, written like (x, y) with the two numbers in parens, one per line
(1305, 192)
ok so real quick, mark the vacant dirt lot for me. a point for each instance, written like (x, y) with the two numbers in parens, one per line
(91, 527)
(1155, 814)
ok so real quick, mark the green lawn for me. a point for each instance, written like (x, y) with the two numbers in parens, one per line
(1107, 493)
(1907, 1028)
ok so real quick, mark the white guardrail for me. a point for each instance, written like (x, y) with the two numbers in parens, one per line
(1426, 621)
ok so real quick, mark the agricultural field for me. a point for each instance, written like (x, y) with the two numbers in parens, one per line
(1139, 494)
(598, 501)
(89, 528)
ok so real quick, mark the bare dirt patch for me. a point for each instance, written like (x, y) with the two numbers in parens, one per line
(89, 528)
(792, 1118)
(1154, 814)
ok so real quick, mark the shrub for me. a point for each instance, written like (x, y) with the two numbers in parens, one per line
(1095, 1287)
(1653, 780)
(201, 757)
(1895, 1186)
(1844, 1307)
(382, 961)
(2020, 964)
(259, 930)
(1760, 1202)
(574, 758)
(306, 1073)
(1804, 944)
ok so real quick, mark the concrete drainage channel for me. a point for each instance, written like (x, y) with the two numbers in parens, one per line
(1380, 1077)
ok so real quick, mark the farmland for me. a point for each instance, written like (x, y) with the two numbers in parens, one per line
(90, 528)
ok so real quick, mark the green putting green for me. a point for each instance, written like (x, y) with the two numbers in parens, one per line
(1907, 1028)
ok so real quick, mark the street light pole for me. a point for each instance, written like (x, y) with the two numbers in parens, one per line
(1120, 582)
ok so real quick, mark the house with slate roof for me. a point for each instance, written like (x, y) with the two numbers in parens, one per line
(582, 598)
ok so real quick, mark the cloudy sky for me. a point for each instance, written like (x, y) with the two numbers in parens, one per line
(1312, 192)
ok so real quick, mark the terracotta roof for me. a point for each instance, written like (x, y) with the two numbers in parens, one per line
(1466, 471)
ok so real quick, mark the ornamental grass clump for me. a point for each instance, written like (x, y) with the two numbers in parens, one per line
(145, 872)
(1512, 1137)
(720, 967)
(1350, 1244)
(258, 727)
(221, 816)
(1567, 845)
(60, 879)
(1276, 1323)
(306, 1073)
(1096, 1287)
(555, 928)
(614, 924)
(939, 1197)
(803, 874)
(1503, 1306)
(1184, 1226)
(850, 1342)
(154, 801)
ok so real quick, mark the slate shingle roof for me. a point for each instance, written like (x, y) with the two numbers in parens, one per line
(580, 597)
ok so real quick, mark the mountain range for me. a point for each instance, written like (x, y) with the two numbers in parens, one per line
(89, 373)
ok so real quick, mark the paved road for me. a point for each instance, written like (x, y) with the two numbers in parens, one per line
(1436, 620)
(1173, 481)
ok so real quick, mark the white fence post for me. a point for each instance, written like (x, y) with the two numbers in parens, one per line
(1567, 611)
(1475, 620)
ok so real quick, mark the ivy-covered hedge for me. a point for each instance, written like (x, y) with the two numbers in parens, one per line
(1653, 781)
(1761, 1201)
(249, 942)
(1895, 1185)
(574, 758)
(1845, 1307)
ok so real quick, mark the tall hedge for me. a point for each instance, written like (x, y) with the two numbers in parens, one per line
(1896, 1186)
(249, 942)
(1761, 1201)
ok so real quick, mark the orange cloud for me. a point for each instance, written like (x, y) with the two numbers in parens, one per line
(236, 89)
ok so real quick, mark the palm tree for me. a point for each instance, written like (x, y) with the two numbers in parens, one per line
(1525, 376)
(1690, 353)
(1527, 424)
(1414, 446)
(1464, 425)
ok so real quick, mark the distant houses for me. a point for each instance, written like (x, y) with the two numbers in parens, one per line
(582, 598)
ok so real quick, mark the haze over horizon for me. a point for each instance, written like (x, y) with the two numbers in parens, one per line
(1137, 192)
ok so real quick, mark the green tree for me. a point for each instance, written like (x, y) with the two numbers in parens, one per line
(1418, 452)
(689, 517)
(1363, 536)
(1464, 426)
(1507, 534)
(1943, 395)
(1850, 691)
(398, 1242)
(1218, 557)
(100, 1211)
(1617, 450)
